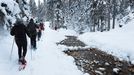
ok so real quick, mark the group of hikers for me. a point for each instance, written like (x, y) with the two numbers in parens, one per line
(20, 30)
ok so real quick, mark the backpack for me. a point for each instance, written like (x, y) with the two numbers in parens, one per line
(42, 26)
(31, 28)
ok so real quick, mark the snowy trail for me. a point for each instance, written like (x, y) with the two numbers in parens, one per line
(48, 59)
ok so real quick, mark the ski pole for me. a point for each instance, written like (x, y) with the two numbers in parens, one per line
(11, 50)
(31, 54)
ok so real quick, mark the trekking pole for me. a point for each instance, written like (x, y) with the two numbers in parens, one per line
(11, 50)
(31, 54)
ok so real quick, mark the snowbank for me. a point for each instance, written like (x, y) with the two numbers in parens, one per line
(118, 42)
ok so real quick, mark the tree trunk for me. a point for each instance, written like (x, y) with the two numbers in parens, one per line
(108, 15)
(114, 15)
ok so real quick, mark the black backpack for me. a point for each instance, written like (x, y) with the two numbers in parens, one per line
(31, 28)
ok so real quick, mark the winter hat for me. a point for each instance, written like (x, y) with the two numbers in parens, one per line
(31, 20)
(18, 21)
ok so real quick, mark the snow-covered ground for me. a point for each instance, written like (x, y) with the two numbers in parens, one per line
(48, 59)
(118, 42)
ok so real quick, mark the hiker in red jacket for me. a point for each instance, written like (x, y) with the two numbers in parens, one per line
(41, 27)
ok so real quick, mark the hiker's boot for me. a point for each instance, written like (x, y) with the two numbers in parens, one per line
(20, 60)
(24, 61)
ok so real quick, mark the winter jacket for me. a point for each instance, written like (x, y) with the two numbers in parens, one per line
(19, 31)
(31, 27)
(41, 26)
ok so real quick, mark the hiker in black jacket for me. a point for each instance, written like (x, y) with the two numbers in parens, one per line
(31, 27)
(19, 31)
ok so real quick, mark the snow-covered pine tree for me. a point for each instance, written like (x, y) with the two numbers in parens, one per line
(10, 10)
(41, 11)
(54, 13)
(86, 15)
(25, 10)
(33, 8)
